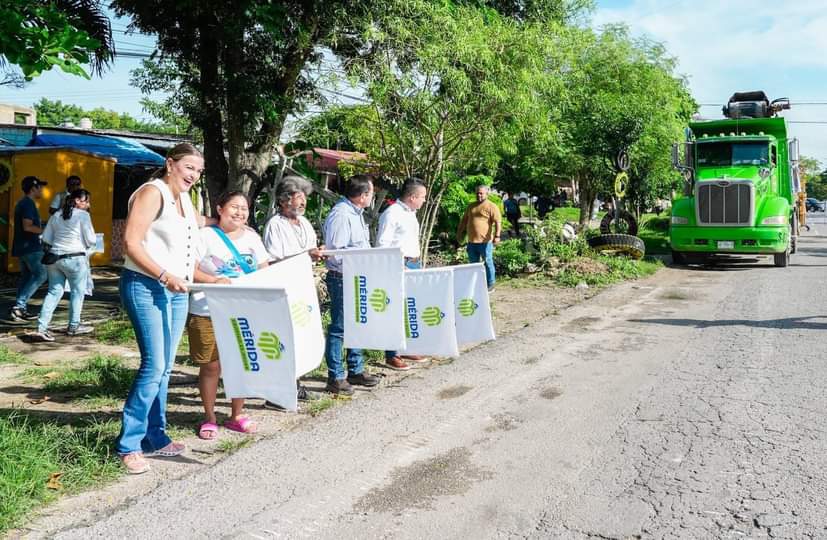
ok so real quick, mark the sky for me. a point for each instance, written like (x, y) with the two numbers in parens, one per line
(722, 46)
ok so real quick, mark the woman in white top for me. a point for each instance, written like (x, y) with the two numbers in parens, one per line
(230, 250)
(70, 235)
(162, 241)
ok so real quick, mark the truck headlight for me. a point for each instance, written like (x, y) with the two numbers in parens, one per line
(680, 220)
(774, 220)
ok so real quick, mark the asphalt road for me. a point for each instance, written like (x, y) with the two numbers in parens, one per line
(689, 405)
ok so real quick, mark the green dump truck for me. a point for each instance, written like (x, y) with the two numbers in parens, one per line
(741, 186)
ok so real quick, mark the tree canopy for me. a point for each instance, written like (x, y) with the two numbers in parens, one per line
(37, 35)
(55, 113)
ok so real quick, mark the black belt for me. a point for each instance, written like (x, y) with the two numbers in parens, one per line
(411, 259)
(334, 272)
(70, 255)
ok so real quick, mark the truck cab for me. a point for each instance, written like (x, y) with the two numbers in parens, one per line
(741, 186)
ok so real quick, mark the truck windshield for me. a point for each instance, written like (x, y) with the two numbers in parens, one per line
(728, 154)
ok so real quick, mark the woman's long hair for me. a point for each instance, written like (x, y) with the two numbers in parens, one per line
(175, 153)
(69, 201)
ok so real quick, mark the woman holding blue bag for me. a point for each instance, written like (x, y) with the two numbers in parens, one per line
(229, 250)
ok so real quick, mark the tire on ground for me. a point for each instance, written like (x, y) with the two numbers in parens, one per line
(625, 244)
(606, 224)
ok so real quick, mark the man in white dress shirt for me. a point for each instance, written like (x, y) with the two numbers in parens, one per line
(398, 227)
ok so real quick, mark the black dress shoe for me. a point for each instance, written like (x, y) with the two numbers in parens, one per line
(340, 387)
(363, 379)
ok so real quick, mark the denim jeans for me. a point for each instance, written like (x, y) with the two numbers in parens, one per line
(410, 265)
(336, 334)
(158, 317)
(76, 270)
(32, 276)
(485, 251)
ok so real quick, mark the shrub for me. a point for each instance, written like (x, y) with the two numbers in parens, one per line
(510, 257)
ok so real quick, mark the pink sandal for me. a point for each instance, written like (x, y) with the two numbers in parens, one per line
(208, 431)
(242, 425)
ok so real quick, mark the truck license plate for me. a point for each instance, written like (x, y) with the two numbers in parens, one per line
(726, 244)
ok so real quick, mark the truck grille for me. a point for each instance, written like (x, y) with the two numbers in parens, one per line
(727, 203)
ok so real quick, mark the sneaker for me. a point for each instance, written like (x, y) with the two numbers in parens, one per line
(363, 379)
(396, 363)
(491, 288)
(307, 395)
(42, 336)
(79, 330)
(19, 314)
(274, 406)
(171, 450)
(135, 463)
(339, 387)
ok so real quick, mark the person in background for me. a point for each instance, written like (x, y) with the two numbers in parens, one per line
(289, 233)
(69, 235)
(482, 224)
(229, 250)
(161, 241)
(398, 227)
(543, 205)
(345, 228)
(513, 213)
(27, 247)
(72, 183)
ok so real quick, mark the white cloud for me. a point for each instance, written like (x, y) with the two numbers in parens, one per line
(728, 46)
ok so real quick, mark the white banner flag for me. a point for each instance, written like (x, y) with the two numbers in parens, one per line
(295, 275)
(373, 298)
(256, 346)
(429, 312)
(473, 311)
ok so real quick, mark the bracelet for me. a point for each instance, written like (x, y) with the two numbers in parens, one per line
(161, 276)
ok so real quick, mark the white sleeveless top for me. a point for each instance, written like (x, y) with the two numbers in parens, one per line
(171, 240)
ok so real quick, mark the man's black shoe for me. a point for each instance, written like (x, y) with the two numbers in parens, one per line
(340, 387)
(304, 395)
(363, 379)
(274, 406)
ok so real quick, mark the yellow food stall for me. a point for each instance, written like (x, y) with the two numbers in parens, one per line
(54, 165)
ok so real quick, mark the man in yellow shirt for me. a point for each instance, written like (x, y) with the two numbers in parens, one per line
(482, 224)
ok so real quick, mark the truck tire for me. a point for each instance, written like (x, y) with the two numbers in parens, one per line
(782, 260)
(678, 258)
(625, 244)
(624, 224)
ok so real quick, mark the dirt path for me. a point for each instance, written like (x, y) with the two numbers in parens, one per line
(515, 306)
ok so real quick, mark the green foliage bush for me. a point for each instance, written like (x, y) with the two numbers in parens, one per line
(510, 257)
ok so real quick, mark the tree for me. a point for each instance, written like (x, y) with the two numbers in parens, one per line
(624, 96)
(36, 35)
(814, 176)
(452, 86)
(238, 69)
(339, 128)
(55, 113)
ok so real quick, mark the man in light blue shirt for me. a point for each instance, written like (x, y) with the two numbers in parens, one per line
(345, 228)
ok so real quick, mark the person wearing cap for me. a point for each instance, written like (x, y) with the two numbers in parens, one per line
(72, 183)
(26, 246)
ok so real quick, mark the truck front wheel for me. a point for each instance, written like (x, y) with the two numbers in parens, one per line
(782, 259)
(678, 258)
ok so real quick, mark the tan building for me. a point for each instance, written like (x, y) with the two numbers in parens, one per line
(17, 114)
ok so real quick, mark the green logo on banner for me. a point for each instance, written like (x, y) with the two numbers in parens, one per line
(379, 300)
(467, 307)
(432, 316)
(300, 313)
(270, 345)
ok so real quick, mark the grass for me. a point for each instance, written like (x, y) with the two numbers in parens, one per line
(8, 356)
(654, 231)
(318, 406)
(101, 379)
(116, 331)
(33, 451)
(617, 269)
(229, 446)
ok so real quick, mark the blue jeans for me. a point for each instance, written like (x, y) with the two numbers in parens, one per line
(410, 265)
(76, 270)
(158, 317)
(485, 251)
(336, 334)
(32, 276)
